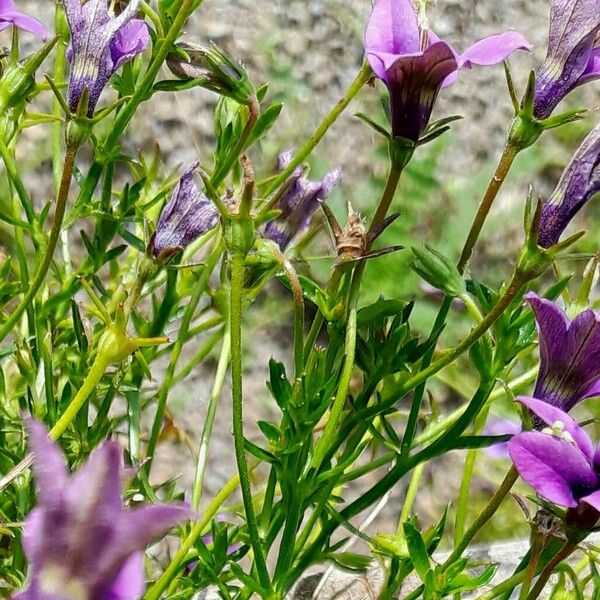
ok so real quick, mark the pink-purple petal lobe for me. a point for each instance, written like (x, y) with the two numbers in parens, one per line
(557, 470)
(24, 22)
(392, 28)
(493, 50)
(130, 582)
(132, 39)
(49, 465)
(551, 414)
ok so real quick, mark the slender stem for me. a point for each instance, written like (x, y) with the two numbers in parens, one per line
(506, 160)
(15, 179)
(298, 316)
(200, 355)
(40, 275)
(477, 332)
(387, 197)
(215, 396)
(357, 84)
(90, 383)
(343, 387)
(411, 494)
(465, 484)
(486, 514)
(235, 328)
(506, 587)
(167, 383)
(562, 554)
(536, 550)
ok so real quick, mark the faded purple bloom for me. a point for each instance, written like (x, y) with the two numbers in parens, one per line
(298, 203)
(415, 64)
(500, 426)
(100, 44)
(9, 15)
(559, 462)
(579, 183)
(79, 540)
(186, 216)
(569, 354)
(573, 56)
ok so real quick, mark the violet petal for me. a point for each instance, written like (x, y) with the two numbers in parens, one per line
(557, 470)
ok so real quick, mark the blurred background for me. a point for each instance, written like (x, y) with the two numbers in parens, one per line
(309, 51)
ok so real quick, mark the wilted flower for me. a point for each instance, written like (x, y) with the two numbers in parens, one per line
(79, 540)
(569, 354)
(9, 15)
(573, 56)
(579, 183)
(100, 44)
(414, 64)
(298, 203)
(559, 463)
(186, 216)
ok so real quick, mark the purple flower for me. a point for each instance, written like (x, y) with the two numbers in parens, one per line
(415, 64)
(100, 44)
(559, 463)
(569, 354)
(299, 202)
(79, 540)
(579, 183)
(573, 56)
(186, 216)
(9, 15)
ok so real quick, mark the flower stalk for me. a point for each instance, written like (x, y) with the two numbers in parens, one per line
(235, 329)
(57, 220)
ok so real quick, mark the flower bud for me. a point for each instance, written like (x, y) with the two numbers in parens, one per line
(214, 69)
(437, 270)
(18, 80)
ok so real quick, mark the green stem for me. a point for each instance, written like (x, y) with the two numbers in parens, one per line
(357, 84)
(165, 388)
(411, 494)
(540, 584)
(486, 514)
(505, 587)
(343, 387)
(506, 160)
(40, 275)
(465, 484)
(477, 332)
(89, 385)
(536, 550)
(15, 179)
(387, 197)
(235, 328)
(215, 396)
